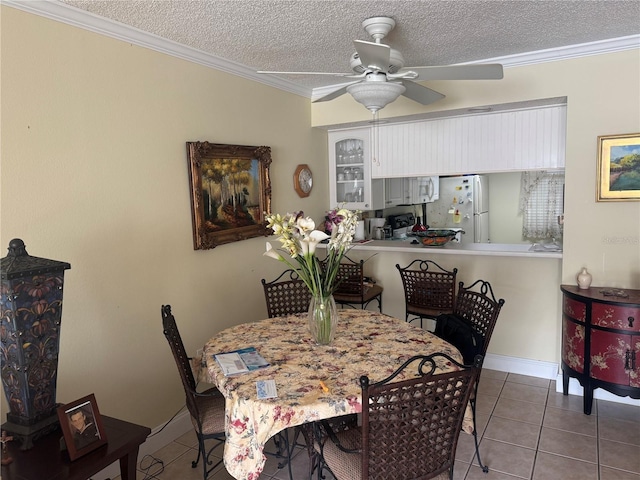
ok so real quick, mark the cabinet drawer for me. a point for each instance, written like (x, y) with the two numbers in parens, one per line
(616, 316)
(575, 309)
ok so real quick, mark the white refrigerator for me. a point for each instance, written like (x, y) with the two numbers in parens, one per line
(463, 203)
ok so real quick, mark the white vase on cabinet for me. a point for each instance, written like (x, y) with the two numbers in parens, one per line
(584, 279)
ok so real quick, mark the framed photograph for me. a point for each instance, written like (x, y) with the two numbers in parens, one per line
(619, 167)
(82, 426)
(230, 192)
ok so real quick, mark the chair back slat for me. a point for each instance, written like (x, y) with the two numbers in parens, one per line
(351, 289)
(478, 306)
(411, 426)
(429, 289)
(170, 329)
(286, 295)
(350, 278)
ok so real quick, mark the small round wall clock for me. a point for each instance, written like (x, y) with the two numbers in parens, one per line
(303, 180)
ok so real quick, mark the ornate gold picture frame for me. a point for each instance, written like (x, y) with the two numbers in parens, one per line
(230, 192)
(618, 167)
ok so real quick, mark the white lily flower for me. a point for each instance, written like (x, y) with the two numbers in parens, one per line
(306, 224)
(271, 252)
(310, 242)
(299, 239)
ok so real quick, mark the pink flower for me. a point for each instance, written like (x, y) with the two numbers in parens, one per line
(239, 426)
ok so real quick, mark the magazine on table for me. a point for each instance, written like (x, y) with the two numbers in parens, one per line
(240, 361)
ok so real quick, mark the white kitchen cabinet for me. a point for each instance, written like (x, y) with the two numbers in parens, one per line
(528, 139)
(350, 170)
(396, 191)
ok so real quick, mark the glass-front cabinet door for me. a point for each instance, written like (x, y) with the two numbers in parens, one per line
(350, 168)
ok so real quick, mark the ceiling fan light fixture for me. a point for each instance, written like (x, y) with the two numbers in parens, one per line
(375, 95)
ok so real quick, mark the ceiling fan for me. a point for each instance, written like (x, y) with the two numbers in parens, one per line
(382, 77)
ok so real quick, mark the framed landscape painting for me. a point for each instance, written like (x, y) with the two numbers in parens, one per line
(619, 167)
(230, 192)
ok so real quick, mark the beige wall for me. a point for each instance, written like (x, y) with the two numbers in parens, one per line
(94, 172)
(505, 219)
(528, 326)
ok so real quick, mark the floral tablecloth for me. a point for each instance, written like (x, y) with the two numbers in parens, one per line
(366, 343)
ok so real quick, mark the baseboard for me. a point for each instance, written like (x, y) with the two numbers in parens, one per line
(160, 437)
(522, 366)
(548, 370)
(576, 389)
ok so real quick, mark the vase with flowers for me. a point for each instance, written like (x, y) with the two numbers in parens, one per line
(299, 238)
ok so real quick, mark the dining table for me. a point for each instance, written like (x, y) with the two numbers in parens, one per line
(313, 382)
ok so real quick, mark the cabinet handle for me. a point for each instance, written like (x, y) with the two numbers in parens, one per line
(630, 320)
(627, 360)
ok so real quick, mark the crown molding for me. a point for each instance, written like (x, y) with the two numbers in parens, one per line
(76, 17)
(600, 47)
(541, 56)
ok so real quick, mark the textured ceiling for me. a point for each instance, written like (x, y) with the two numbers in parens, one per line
(317, 35)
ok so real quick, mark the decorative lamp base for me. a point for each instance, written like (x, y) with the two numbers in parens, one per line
(27, 434)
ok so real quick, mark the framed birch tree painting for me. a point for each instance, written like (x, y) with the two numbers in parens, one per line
(230, 192)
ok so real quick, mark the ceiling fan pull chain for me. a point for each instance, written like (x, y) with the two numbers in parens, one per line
(375, 140)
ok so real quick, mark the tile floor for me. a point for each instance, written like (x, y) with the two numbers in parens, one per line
(528, 431)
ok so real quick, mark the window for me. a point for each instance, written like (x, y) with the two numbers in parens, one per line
(541, 203)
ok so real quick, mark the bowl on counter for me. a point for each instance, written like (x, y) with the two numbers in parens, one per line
(435, 238)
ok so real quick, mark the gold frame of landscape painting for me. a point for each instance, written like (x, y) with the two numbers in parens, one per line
(618, 168)
(230, 192)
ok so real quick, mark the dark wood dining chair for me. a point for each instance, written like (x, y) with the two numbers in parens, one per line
(286, 295)
(352, 289)
(410, 428)
(477, 309)
(206, 408)
(469, 329)
(429, 290)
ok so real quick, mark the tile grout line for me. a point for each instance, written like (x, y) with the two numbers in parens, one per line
(491, 412)
(544, 412)
(597, 438)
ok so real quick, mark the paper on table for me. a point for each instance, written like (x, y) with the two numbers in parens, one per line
(231, 363)
(252, 359)
(240, 361)
(266, 389)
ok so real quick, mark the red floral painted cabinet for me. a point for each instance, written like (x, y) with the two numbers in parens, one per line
(601, 340)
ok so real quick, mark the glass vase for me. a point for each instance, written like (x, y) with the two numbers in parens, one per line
(323, 317)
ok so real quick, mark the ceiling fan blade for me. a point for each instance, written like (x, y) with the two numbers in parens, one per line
(335, 94)
(373, 55)
(485, 71)
(311, 73)
(419, 93)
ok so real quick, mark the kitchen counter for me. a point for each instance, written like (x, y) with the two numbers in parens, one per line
(451, 248)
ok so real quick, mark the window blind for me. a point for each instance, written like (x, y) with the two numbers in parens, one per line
(541, 202)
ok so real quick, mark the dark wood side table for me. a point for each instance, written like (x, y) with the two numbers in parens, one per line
(601, 340)
(45, 461)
